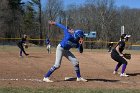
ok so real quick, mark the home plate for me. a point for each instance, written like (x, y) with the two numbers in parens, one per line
(70, 79)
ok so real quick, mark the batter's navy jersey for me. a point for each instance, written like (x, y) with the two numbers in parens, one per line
(68, 40)
(23, 40)
(47, 41)
(121, 45)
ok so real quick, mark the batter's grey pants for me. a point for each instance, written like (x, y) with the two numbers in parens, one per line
(60, 52)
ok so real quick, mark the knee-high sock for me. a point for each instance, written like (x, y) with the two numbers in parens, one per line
(123, 68)
(118, 66)
(77, 69)
(20, 52)
(50, 72)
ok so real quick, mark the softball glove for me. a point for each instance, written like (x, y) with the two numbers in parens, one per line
(127, 56)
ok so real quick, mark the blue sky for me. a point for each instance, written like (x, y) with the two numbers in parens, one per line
(119, 3)
(129, 3)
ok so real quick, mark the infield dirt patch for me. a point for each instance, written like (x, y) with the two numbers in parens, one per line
(96, 66)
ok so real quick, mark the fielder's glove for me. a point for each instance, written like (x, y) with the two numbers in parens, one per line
(25, 45)
(127, 56)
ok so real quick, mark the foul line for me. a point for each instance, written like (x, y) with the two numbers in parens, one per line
(12, 79)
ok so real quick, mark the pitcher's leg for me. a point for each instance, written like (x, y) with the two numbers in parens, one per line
(118, 66)
(59, 55)
(75, 62)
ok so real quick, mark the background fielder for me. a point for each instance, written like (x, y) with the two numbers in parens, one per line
(71, 39)
(48, 43)
(21, 43)
(117, 55)
(110, 45)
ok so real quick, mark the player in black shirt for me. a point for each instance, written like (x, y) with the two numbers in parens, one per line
(20, 45)
(117, 55)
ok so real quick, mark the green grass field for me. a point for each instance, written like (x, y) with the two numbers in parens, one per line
(56, 90)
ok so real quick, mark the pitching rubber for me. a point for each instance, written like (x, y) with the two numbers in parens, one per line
(70, 78)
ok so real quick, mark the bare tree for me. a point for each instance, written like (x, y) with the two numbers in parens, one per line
(30, 23)
(38, 3)
(54, 9)
(130, 19)
(3, 17)
(11, 16)
(101, 16)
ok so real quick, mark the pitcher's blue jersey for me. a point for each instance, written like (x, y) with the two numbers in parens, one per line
(68, 40)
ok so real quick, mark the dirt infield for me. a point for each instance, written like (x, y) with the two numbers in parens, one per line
(96, 66)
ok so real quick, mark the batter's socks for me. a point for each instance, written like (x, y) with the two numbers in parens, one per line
(77, 69)
(50, 72)
(24, 52)
(123, 68)
(20, 52)
(118, 66)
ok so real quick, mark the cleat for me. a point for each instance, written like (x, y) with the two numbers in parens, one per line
(116, 72)
(124, 75)
(21, 56)
(47, 80)
(26, 54)
(81, 79)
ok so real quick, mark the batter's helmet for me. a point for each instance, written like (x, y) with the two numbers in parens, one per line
(123, 36)
(78, 34)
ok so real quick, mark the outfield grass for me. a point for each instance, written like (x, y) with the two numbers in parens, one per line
(52, 90)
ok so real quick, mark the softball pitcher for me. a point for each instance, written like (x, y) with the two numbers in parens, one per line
(72, 39)
(21, 44)
(117, 55)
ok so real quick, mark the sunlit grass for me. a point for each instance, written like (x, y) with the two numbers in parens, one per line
(66, 90)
